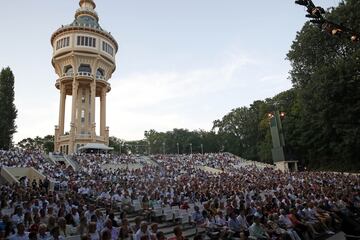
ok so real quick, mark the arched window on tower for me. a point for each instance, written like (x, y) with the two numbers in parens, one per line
(68, 70)
(85, 69)
(100, 74)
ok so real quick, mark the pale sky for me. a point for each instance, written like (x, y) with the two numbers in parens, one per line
(180, 64)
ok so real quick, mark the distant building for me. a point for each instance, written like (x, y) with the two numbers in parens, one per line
(84, 60)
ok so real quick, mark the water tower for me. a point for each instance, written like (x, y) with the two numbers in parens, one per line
(84, 60)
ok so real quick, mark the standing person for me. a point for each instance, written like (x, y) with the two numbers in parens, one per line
(46, 185)
(34, 184)
(41, 185)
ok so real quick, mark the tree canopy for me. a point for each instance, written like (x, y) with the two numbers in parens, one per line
(8, 112)
(326, 75)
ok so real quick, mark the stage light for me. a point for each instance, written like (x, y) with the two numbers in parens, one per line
(302, 2)
(316, 12)
(354, 38)
(336, 31)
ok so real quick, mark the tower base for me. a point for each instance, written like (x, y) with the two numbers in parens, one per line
(287, 166)
(68, 144)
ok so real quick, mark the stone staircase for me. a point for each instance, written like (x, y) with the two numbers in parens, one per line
(63, 159)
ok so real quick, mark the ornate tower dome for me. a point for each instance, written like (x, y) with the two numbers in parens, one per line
(84, 60)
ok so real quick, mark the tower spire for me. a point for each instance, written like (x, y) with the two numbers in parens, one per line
(87, 4)
(87, 8)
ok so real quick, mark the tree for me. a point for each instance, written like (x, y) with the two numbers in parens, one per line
(45, 144)
(325, 71)
(237, 131)
(117, 144)
(8, 112)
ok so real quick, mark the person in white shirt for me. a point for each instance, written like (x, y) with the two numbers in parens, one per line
(143, 232)
(21, 234)
(116, 197)
(18, 216)
(286, 222)
(90, 212)
(75, 215)
(220, 219)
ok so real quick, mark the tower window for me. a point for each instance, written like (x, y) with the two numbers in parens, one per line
(64, 42)
(68, 70)
(107, 48)
(100, 72)
(85, 68)
(86, 41)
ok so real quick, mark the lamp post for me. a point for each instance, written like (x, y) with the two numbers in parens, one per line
(163, 147)
(202, 148)
(177, 146)
(149, 147)
(191, 148)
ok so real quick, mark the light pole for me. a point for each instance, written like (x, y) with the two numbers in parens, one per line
(177, 145)
(191, 148)
(149, 148)
(202, 148)
(163, 147)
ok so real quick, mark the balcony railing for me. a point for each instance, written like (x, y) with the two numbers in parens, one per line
(86, 9)
(84, 74)
(65, 75)
(99, 77)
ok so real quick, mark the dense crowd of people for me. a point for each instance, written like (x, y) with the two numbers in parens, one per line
(86, 159)
(221, 161)
(246, 202)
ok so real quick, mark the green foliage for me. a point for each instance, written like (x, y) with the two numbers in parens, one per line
(325, 71)
(45, 144)
(8, 112)
(181, 140)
